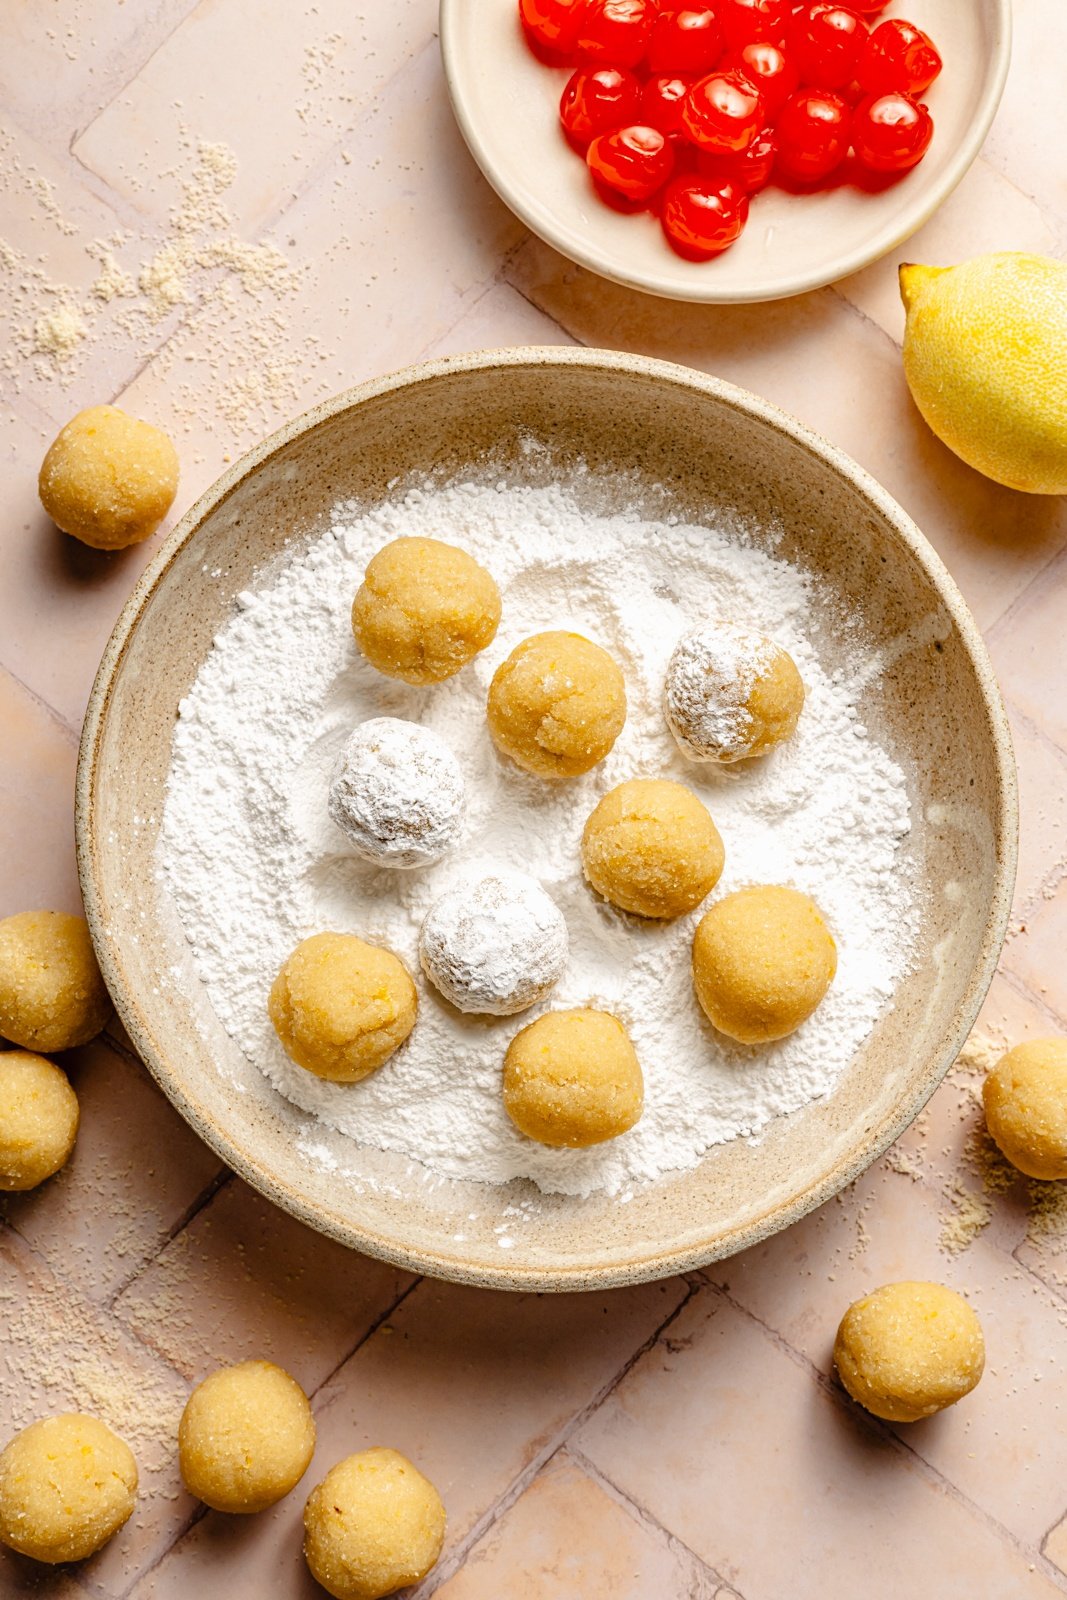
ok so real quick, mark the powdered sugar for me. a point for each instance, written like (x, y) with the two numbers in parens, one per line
(709, 679)
(254, 863)
(397, 793)
(495, 944)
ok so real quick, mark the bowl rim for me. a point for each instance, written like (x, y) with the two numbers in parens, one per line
(655, 1262)
(540, 218)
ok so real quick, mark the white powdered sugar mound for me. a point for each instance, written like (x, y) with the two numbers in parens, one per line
(254, 862)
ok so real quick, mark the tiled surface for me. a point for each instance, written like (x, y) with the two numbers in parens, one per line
(682, 1440)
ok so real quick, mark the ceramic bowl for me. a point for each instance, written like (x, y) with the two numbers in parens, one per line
(507, 105)
(934, 703)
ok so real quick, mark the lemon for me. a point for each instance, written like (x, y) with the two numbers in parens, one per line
(985, 356)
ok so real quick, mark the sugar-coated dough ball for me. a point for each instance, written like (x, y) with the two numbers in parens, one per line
(651, 847)
(52, 996)
(38, 1119)
(731, 693)
(1026, 1107)
(372, 1526)
(909, 1349)
(556, 705)
(424, 610)
(494, 945)
(246, 1437)
(67, 1484)
(109, 479)
(572, 1078)
(397, 793)
(341, 1007)
(763, 959)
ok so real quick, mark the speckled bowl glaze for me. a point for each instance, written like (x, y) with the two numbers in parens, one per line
(933, 701)
(507, 106)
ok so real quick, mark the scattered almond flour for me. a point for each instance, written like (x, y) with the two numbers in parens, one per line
(59, 1354)
(973, 1179)
(141, 290)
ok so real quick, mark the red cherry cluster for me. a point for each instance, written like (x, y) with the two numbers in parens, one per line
(694, 109)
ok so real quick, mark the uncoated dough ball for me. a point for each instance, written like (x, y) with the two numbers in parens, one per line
(573, 1078)
(763, 959)
(1025, 1100)
(494, 945)
(424, 610)
(731, 693)
(372, 1526)
(651, 847)
(38, 1119)
(109, 479)
(246, 1437)
(52, 996)
(341, 1007)
(556, 705)
(67, 1485)
(397, 793)
(909, 1350)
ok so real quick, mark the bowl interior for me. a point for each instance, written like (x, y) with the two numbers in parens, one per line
(933, 703)
(507, 105)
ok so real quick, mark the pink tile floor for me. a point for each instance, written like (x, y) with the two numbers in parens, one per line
(683, 1439)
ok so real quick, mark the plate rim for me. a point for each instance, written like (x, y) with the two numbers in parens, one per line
(655, 1262)
(539, 220)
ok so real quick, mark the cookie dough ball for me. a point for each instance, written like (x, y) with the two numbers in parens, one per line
(572, 1078)
(731, 694)
(52, 996)
(38, 1119)
(908, 1350)
(1026, 1107)
(373, 1525)
(341, 1007)
(556, 705)
(494, 945)
(67, 1485)
(246, 1437)
(109, 479)
(763, 959)
(424, 610)
(397, 794)
(652, 848)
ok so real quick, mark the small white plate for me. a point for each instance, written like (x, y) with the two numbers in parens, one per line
(506, 103)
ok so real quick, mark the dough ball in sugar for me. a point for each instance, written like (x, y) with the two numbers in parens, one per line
(424, 610)
(109, 479)
(572, 1078)
(495, 944)
(38, 1119)
(342, 1007)
(909, 1350)
(1025, 1099)
(67, 1485)
(731, 693)
(372, 1526)
(397, 794)
(650, 847)
(52, 996)
(246, 1437)
(763, 959)
(556, 705)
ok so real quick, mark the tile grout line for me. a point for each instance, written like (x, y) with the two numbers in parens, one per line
(522, 1480)
(378, 1322)
(643, 1515)
(223, 1177)
(80, 133)
(1023, 989)
(880, 1429)
(72, 734)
